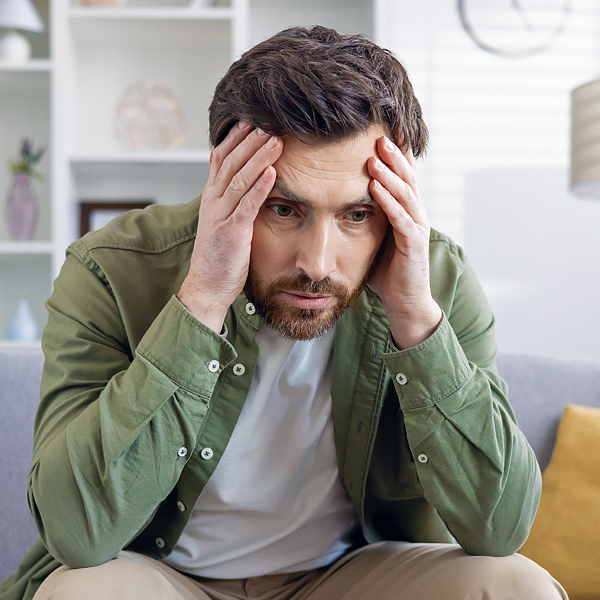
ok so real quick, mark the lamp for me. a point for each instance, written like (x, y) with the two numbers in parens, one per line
(17, 14)
(585, 139)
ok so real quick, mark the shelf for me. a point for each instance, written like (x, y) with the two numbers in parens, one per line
(19, 248)
(31, 66)
(144, 167)
(10, 345)
(152, 13)
(179, 157)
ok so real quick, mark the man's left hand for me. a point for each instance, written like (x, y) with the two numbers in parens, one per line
(401, 278)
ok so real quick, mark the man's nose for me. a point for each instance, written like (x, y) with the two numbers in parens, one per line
(317, 253)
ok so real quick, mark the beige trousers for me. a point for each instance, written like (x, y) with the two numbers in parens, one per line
(383, 571)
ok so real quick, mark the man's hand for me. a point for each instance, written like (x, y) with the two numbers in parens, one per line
(401, 278)
(240, 178)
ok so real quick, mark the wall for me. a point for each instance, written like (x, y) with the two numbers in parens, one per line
(495, 177)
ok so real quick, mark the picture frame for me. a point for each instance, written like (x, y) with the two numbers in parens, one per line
(94, 214)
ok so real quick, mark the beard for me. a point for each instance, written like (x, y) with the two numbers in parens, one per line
(295, 323)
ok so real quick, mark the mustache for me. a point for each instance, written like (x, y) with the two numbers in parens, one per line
(303, 283)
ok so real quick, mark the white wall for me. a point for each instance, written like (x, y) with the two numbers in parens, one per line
(495, 177)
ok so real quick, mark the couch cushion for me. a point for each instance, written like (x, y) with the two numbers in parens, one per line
(20, 376)
(565, 538)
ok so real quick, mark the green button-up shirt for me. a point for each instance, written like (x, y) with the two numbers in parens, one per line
(427, 444)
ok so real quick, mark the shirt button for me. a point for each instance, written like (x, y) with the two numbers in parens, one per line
(239, 369)
(213, 366)
(206, 453)
(182, 452)
(250, 308)
(423, 458)
(180, 506)
(401, 378)
(160, 543)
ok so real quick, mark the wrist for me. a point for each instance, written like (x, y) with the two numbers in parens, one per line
(207, 311)
(411, 327)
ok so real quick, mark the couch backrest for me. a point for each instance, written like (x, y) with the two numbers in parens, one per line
(20, 376)
(539, 390)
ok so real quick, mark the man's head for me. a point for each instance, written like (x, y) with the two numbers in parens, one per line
(330, 97)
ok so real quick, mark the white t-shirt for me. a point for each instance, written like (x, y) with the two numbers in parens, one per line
(275, 503)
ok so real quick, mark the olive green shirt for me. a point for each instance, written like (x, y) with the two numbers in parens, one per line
(135, 388)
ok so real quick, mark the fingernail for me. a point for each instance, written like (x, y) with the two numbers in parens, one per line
(241, 124)
(261, 133)
(271, 143)
(389, 145)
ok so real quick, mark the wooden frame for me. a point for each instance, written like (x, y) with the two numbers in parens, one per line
(94, 214)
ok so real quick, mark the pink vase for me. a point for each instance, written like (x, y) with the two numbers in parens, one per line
(22, 209)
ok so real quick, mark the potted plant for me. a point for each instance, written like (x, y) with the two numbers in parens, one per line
(22, 208)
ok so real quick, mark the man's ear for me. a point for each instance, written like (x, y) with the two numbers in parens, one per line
(210, 157)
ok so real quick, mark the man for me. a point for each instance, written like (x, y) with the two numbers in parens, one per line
(287, 390)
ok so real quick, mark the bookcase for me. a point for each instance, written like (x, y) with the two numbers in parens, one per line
(65, 98)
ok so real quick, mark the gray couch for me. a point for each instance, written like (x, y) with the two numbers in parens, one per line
(539, 389)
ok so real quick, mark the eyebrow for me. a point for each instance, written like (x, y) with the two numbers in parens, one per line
(282, 190)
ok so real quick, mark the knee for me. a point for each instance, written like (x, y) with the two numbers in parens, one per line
(511, 578)
(116, 579)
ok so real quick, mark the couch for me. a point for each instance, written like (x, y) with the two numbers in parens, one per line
(539, 390)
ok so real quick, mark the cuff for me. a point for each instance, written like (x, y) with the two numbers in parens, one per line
(429, 372)
(188, 352)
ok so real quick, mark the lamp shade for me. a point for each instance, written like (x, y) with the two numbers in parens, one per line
(20, 14)
(585, 139)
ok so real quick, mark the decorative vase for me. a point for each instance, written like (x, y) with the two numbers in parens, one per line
(23, 327)
(22, 209)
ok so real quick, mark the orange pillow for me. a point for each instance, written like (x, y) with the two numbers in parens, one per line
(565, 537)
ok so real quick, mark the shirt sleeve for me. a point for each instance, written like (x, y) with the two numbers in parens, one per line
(115, 426)
(474, 464)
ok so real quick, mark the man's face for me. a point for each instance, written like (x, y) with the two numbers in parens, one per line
(316, 236)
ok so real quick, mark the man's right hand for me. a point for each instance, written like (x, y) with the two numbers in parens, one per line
(240, 178)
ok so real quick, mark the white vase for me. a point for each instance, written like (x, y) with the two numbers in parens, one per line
(23, 327)
(15, 48)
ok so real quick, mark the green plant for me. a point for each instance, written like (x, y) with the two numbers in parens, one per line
(27, 160)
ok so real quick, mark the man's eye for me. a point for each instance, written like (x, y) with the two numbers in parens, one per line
(281, 210)
(358, 215)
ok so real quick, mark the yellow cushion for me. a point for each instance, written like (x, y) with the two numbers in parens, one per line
(565, 538)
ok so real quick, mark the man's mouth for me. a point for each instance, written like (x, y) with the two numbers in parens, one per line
(308, 301)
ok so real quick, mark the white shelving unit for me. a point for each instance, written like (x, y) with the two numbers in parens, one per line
(65, 98)
(25, 111)
(18, 248)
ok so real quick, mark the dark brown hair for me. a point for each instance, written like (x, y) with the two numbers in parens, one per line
(319, 86)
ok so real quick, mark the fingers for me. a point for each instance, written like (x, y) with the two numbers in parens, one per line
(217, 155)
(247, 177)
(400, 143)
(249, 205)
(395, 172)
(241, 174)
(241, 167)
(401, 221)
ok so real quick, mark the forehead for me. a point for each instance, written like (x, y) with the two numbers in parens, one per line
(328, 164)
